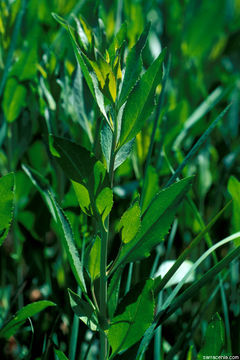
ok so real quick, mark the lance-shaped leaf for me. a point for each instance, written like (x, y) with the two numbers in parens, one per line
(88, 175)
(117, 41)
(105, 76)
(83, 310)
(60, 355)
(22, 315)
(133, 66)
(78, 103)
(134, 315)
(234, 190)
(214, 339)
(106, 144)
(94, 259)
(140, 103)
(6, 204)
(130, 222)
(113, 291)
(156, 222)
(13, 99)
(91, 77)
(68, 239)
(82, 60)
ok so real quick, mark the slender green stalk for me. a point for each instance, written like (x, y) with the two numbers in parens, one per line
(75, 326)
(103, 261)
(103, 292)
(129, 278)
(158, 332)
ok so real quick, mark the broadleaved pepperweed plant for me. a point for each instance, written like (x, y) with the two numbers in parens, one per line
(125, 167)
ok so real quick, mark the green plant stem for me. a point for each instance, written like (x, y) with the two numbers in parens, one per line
(75, 326)
(129, 278)
(103, 291)
(158, 332)
(103, 261)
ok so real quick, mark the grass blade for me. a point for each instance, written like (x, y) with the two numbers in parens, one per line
(197, 146)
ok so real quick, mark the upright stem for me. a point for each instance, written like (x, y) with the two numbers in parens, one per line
(103, 291)
(103, 262)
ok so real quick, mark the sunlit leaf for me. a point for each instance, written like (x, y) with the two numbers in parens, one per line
(133, 66)
(94, 259)
(22, 315)
(60, 355)
(214, 339)
(89, 176)
(133, 316)
(234, 189)
(14, 99)
(60, 217)
(140, 103)
(83, 310)
(156, 222)
(130, 223)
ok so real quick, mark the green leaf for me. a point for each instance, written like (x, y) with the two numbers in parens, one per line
(22, 315)
(106, 136)
(105, 76)
(133, 66)
(118, 40)
(94, 259)
(151, 188)
(130, 223)
(106, 144)
(234, 190)
(78, 103)
(123, 153)
(140, 103)
(81, 58)
(134, 316)
(89, 76)
(99, 97)
(83, 310)
(60, 20)
(60, 355)
(13, 99)
(69, 244)
(156, 222)
(88, 174)
(113, 291)
(214, 339)
(83, 197)
(59, 216)
(6, 204)
(104, 203)
(26, 67)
